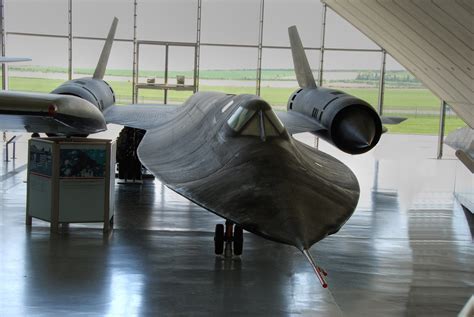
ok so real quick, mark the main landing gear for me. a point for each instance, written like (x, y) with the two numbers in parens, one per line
(229, 241)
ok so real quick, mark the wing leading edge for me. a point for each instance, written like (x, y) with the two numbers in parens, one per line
(144, 117)
(296, 122)
(49, 113)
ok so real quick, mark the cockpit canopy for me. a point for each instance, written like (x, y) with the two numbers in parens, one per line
(256, 118)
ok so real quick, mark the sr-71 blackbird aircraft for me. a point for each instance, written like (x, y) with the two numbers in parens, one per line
(231, 154)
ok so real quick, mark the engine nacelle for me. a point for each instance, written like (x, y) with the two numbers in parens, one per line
(350, 123)
(96, 91)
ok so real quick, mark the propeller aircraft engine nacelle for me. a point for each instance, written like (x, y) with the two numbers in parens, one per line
(97, 91)
(350, 123)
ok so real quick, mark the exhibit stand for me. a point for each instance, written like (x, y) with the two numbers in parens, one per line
(70, 180)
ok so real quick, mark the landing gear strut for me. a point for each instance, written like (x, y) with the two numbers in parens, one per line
(229, 241)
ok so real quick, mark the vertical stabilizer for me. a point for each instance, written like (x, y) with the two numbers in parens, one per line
(302, 69)
(104, 56)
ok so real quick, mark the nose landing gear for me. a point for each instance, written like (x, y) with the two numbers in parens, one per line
(229, 241)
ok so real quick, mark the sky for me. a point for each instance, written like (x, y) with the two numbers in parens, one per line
(223, 21)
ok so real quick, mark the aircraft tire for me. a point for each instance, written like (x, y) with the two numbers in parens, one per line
(238, 240)
(219, 239)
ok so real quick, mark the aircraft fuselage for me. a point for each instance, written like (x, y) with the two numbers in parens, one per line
(259, 177)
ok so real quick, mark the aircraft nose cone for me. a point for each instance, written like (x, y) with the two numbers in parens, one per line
(297, 204)
(355, 131)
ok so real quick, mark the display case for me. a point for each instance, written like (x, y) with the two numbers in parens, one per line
(70, 180)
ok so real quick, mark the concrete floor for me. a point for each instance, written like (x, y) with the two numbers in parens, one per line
(408, 250)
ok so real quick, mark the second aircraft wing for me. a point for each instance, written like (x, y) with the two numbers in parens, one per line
(49, 113)
(144, 117)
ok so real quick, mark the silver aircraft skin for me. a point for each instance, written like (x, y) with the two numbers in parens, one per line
(231, 154)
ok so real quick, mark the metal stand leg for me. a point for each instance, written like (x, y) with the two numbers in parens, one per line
(11, 141)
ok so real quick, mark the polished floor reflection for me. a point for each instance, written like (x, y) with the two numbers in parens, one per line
(408, 250)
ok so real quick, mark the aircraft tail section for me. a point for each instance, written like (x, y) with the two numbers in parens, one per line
(95, 89)
(303, 72)
(104, 56)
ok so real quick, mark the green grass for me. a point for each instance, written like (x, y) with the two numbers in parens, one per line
(241, 74)
(364, 76)
(395, 99)
(425, 125)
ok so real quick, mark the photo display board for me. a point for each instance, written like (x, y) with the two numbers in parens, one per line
(41, 158)
(82, 162)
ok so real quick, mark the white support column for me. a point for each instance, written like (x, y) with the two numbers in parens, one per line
(321, 51)
(197, 52)
(135, 54)
(442, 122)
(69, 39)
(3, 45)
(260, 43)
(382, 83)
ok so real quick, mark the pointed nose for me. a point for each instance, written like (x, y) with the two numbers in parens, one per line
(356, 131)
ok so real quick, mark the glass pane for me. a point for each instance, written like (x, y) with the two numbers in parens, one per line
(356, 73)
(229, 70)
(252, 128)
(240, 117)
(452, 122)
(86, 55)
(278, 76)
(48, 68)
(341, 34)
(152, 63)
(167, 20)
(270, 115)
(230, 21)
(123, 91)
(405, 96)
(151, 96)
(94, 17)
(155, 96)
(178, 97)
(181, 63)
(37, 17)
(279, 15)
(269, 128)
